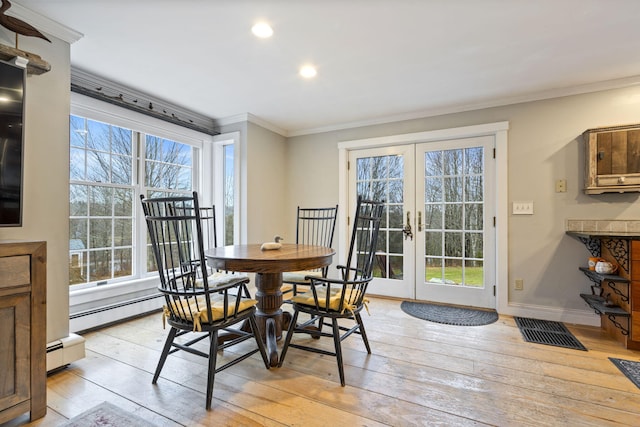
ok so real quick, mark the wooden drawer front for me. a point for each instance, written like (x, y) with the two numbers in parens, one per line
(15, 271)
(616, 180)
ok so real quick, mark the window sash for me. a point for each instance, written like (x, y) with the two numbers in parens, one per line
(142, 128)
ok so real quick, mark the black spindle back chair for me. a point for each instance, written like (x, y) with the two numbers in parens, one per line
(192, 303)
(340, 299)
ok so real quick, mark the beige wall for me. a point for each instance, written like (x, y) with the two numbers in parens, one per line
(544, 145)
(283, 173)
(46, 173)
(267, 186)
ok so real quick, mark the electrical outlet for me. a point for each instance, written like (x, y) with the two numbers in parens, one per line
(519, 284)
(523, 208)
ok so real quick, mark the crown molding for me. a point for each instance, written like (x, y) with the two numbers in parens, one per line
(498, 102)
(44, 24)
(248, 117)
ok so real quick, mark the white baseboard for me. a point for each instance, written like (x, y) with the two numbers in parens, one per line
(578, 317)
(64, 351)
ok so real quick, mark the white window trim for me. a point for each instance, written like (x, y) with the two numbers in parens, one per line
(84, 106)
(499, 131)
(218, 180)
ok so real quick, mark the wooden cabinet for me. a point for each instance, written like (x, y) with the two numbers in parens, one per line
(612, 156)
(23, 375)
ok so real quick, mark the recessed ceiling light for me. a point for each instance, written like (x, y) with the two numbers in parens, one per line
(262, 30)
(308, 71)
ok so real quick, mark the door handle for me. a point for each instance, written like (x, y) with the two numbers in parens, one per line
(419, 221)
(408, 233)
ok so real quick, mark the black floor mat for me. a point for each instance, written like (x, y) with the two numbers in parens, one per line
(547, 332)
(630, 368)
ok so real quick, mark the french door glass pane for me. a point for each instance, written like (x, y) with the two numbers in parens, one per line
(454, 192)
(382, 178)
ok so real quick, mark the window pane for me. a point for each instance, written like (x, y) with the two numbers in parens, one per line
(395, 216)
(100, 265)
(122, 262)
(78, 200)
(98, 137)
(98, 166)
(77, 267)
(123, 202)
(77, 131)
(122, 232)
(121, 169)
(169, 164)
(101, 201)
(100, 233)
(76, 164)
(433, 217)
(229, 194)
(78, 237)
(453, 216)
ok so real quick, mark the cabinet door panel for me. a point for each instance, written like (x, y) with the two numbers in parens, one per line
(15, 336)
(604, 153)
(633, 151)
(619, 153)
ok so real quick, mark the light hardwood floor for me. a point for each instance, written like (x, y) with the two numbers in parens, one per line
(420, 373)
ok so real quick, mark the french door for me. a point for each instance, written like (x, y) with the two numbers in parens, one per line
(437, 242)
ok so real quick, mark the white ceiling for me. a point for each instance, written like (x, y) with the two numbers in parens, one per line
(377, 60)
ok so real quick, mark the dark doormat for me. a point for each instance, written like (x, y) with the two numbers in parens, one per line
(630, 368)
(547, 332)
(449, 315)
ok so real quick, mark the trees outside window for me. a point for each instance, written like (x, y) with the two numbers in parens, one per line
(109, 167)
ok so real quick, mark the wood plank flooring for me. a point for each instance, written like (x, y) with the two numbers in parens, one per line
(420, 374)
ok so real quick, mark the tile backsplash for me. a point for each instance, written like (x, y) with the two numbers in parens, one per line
(620, 225)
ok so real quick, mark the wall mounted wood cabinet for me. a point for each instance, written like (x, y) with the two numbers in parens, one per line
(23, 347)
(612, 156)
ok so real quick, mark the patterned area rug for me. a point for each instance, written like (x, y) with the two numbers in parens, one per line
(449, 315)
(630, 368)
(107, 415)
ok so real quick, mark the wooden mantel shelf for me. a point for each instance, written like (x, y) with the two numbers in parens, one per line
(36, 64)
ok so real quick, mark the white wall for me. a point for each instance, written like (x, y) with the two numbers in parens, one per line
(46, 173)
(544, 145)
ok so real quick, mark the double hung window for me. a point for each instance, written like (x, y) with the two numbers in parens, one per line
(110, 166)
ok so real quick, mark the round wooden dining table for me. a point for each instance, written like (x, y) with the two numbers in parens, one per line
(269, 266)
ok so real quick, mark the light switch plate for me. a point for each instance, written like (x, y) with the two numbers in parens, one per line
(523, 208)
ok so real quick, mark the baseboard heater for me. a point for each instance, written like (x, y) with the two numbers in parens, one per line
(62, 352)
(114, 306)
(108, 314)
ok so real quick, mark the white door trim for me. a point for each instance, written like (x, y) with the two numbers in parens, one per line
(498, 130)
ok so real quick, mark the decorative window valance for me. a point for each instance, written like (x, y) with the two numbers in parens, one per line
(113, 93)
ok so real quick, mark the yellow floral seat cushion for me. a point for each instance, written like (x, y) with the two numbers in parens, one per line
(195, 309)
(330, 303)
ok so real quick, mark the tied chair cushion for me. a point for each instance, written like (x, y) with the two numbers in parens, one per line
(300, 276)
(331, 301)
(195, 310)
(220, 278)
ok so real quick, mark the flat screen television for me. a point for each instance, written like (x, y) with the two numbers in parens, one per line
(12, 79)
